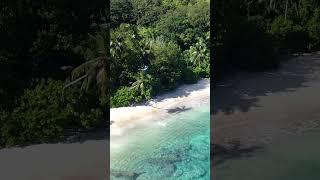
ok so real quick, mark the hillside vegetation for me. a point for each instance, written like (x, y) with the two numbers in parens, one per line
(64, 63)
(250, 35)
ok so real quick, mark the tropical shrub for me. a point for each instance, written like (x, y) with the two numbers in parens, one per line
(147, 12)
(198, 57)
(166, 66)
(289, 35)
(127, 55)
(45, 111)
(248, 48)
(121, 11)
(189, 76)
(313, 29)
(144, 84)
(125, 96)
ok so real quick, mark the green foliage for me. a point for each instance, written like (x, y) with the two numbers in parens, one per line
(38, 40)
(121, 12)
(125, 96)
(174, 26)
(250, 34)
(166, 65)
(172, 4)
(144, 84)
(198, 16)
(259, 21)
(146, 33)
(127, 55)
(313, 28)
(38, 37)
(146, 12)
(198, 57)
(148, 40)
(165, 44)
(189, 76)
(248, 48)
(288, 34)
(45, 111)
(93, 74)
(185, 24)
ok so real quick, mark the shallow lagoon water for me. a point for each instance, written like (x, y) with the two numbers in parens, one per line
(293, 158)
(175, 148)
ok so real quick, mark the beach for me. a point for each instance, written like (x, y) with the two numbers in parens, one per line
(259, 108)
(268, 119)
(87, 159)
(167, 137)
(183, 98)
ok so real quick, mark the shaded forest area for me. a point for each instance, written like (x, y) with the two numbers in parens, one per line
(52, 66)
(252, 35)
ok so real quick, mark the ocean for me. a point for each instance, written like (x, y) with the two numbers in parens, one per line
(174, 148)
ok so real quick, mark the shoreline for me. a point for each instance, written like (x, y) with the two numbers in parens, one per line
(265, 108)
(183, 98)
(269, 120)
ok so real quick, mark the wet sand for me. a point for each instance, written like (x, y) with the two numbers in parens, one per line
(252, 111)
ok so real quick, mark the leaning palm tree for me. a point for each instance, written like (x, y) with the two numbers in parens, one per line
(94, 72)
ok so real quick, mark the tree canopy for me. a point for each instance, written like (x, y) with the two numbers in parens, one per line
(249, 35)
(157, 45)
(64, 63)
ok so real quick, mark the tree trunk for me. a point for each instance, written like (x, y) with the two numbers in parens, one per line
(248, 8)
(286, 10)
(296, 8)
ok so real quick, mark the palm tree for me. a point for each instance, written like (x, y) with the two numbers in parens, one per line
(198, 54)
(143, 84)
(94, 72)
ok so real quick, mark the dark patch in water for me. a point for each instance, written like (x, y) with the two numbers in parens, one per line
(127, 175)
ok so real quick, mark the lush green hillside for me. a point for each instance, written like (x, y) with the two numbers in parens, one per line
(41, 43)
(156, 45)
(58, 68)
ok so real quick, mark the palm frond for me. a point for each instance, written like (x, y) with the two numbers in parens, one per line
(92, 73)
(75, 81)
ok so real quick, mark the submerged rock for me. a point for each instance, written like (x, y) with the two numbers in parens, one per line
(124, 175)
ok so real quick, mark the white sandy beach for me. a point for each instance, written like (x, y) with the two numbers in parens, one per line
(184, 97)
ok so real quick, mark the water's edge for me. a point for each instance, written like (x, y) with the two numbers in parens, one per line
(176, 148)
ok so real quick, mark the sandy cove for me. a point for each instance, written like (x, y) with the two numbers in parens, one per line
(183, 98)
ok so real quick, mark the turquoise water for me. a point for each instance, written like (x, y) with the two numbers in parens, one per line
(176, 149)
(296, 158)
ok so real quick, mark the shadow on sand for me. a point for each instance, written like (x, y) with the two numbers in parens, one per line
(100, 133)
(240, 92)
(178, 109)
(220, 153)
